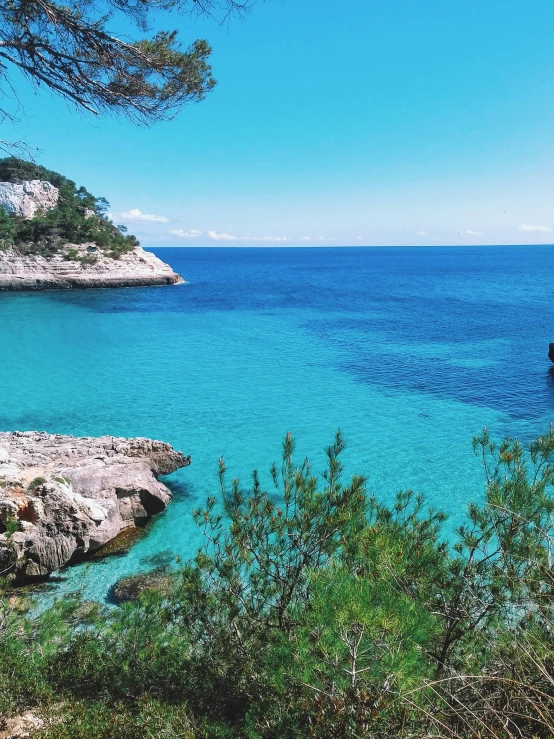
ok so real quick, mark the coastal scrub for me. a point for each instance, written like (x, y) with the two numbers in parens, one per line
(316, 610)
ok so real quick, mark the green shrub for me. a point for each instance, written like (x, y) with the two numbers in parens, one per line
(34, 484)
(88, 259)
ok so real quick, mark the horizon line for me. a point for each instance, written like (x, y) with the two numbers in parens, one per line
(335, 246)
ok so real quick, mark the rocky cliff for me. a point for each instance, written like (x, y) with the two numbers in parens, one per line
(28, 198)
(83, 266)
(67, 496)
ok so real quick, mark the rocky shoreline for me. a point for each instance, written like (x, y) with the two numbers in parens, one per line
(62, 497)
(83, 266)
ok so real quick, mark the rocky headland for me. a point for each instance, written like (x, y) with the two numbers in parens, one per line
(62, 497)
(54, 235)
(83, 266)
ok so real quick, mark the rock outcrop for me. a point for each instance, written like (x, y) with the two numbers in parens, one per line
(29, 198)
(68, 496)
(83, 266)
(20, 727)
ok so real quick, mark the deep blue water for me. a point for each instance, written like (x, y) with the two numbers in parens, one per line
(411, 351)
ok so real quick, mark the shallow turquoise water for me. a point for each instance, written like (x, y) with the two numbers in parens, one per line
(410, 351)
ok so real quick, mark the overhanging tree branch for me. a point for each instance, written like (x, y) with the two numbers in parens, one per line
(69, 49)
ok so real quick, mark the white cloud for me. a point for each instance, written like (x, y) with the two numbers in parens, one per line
(270, 239)
(215, 236)
(192, 234)
(224, 236)
(474, 233)
(136, 216)
(422, 233)
(525, 227)
(220, 236)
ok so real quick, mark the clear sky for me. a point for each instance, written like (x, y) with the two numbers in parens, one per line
(336, 123)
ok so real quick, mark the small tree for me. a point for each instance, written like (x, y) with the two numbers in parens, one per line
(503, 568)
(261, 551)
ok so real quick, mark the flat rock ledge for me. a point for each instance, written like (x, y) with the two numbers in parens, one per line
(137, 268)
(69, 496)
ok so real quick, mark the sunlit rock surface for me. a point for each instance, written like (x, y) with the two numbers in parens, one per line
(68, 496)
(67, 270)
(28, 198)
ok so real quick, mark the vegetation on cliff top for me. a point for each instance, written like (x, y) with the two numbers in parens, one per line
(78, 218)
(316, 611)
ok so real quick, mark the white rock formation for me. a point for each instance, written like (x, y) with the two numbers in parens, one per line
(70, 496)
(20, 727)
(28, 198)
(65, 270)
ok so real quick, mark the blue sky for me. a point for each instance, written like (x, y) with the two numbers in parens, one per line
(336, 123)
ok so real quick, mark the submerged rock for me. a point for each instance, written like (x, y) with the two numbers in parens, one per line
(83, 266)
(67, 496)
(120, 545)
(551, 352)
(130, 588)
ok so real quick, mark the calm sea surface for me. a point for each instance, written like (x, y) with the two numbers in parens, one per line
(411, 351)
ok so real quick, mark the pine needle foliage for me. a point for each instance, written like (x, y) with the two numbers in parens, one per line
(71, 49)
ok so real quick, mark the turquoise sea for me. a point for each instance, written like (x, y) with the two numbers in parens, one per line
(411, 351)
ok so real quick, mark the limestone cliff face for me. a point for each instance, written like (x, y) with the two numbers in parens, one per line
(66, 270)
(29, 198)
(70, 496)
